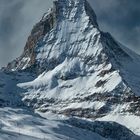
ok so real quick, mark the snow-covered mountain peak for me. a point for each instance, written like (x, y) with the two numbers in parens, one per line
(75, 68)
(67, 46)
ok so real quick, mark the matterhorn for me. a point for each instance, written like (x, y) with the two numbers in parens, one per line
(72, 81)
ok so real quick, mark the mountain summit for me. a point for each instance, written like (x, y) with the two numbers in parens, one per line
(76, 69)
(63, 14)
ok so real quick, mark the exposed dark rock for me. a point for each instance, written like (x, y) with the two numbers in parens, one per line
(100, 83)
(109, 130)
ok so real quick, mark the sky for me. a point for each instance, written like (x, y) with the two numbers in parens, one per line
(17, 17)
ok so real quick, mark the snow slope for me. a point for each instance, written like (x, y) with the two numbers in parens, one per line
(20, 124)
(16, 123)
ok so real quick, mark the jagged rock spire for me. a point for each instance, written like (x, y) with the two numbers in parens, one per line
(71, 9)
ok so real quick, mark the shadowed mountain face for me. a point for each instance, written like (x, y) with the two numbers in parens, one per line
(73, 68)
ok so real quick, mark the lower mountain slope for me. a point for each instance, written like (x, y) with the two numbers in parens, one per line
(23, 124)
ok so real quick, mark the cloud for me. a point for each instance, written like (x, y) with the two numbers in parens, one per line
(121, 18)
(17, 18)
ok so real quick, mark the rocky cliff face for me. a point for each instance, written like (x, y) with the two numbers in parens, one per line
(27, 58)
